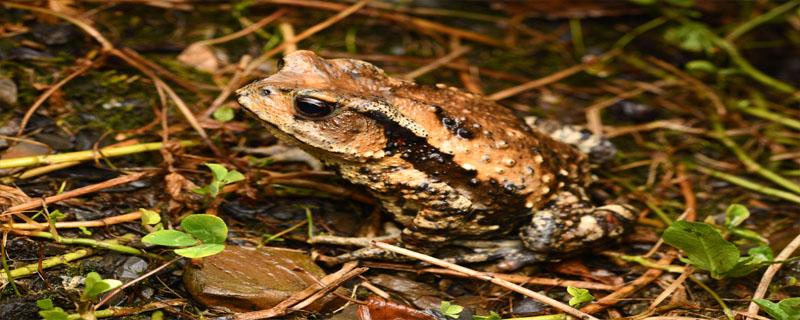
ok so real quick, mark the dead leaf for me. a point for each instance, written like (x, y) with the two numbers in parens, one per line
(203, 57)
(11, 196)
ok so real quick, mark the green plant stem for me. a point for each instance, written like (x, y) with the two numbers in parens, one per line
(725, 309)
(7, 272)
(48, 263)
(749, 184)
(651, 264)
(628, 37)
(576, 33)
(751, 71)
(766, 114)
(749, 163)
(126, 311)
(559, 316)
(105, 244)
(755, 22)
(85, 155)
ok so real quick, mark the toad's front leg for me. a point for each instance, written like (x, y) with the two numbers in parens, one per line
(569, 223)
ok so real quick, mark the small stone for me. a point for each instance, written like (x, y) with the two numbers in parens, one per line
(246, 279)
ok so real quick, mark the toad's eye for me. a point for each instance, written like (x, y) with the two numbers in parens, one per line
(313, 108)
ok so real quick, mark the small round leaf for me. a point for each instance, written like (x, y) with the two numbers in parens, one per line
(200, 251)
(170, 238)
(207, 228)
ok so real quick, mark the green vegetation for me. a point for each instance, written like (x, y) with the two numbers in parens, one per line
(204, 235)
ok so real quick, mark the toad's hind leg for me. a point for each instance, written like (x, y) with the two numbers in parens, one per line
(570, 223)
(596, 146)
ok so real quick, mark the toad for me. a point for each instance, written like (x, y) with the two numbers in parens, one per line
(446, 164)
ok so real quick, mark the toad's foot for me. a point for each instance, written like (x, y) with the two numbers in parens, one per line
(509, 255)
(570, 223)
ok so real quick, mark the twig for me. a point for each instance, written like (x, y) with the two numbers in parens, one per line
(133, 216)
(755, 22)
(715, 296)
(100, 244)
(85, 66)
(749, 163)
(670, 289)
(640, 282)
(85, 155)
(436, 63)
(245, 31)
(131, 60)
(486, 277)
(120, 312)
(757, 187)
(764, 113)
(700, 87)
(300, 37)
(33, 204)
(751, 71)
(766, 279)
(400, 19)
(526, 280)
(132, 282)
(327, 283)
(506, 93)
(593, 119)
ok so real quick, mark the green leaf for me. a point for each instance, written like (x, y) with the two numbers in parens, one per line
(701, 67)
(450, 310)
(57, 215)
(54, 314)
(643, 2)
(704, 246)
(45, 304)
(170, 238)
(492, 316)
(232, 177)
(757, 258)
(786, 309)
(200, 251)
(93, 286)
(692, 36)
(85, 231)
(735, 215)
(219, 171)
(748, 234)
(207, 228)
(681, 3)
(223, 114)
(150, 217)
(579, 296)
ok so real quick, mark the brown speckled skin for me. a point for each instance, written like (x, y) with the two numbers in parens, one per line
(447, 164)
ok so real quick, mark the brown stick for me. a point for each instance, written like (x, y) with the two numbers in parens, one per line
(133, 216)
(766, 279)
(505, 93)
(400, 19)
(486, 277)
(72, 193)
(327, 283)
(629, 289)
(49, 92)
(522, 279)
(436, 63)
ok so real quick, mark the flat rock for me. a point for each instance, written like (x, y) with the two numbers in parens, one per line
(245, 279)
